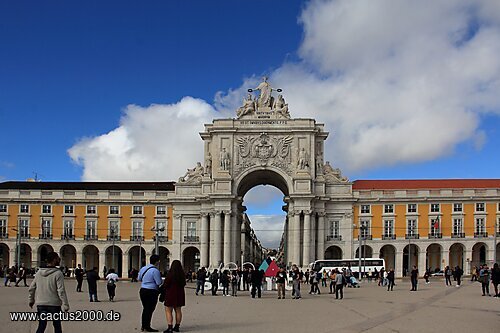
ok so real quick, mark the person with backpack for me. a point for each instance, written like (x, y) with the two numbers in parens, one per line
(340, 280)
(151, 281)
(235, 280)
(447, 275)
(484, 278)
(201, 276)
(112, 278)
(214, 281)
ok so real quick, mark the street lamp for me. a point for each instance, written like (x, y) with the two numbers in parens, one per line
(18, 244)
(362, 228)
(112, 231)
(156, 230)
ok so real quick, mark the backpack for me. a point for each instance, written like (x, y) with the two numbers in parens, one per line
(111, 282)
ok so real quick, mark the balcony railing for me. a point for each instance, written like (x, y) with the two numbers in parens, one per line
(90, 237)
(412, 236)
(4, 235)
(136, 238)
(458, 235)
(480, 234)
(161, 238)
(333, 238)
(385, 237)
(435, 235)
(45, 236)
(191, 239)
(67, 237)
(114, 237)
(367, 237)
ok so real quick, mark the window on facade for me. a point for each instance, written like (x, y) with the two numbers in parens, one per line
(24, 226)
(91, 209)
(411, 227)
(137, 228)
(91, 228)
(3, 208)
(435, 226)
(114, 228)
(161, 210)
(161, 227)
(457, 207)
(412, 208)
(191, 229)
(68, 228)
(333, 230)
(457, 226)
(46, 228)
(68, 209)
(114, 210)
(388, 228)
(365, 209)
(3, 228)
(434, 208)
(389, 209)
(46, 209)
(480, 226)
(24, 208)
(479, 206)
(137, 210)
(365, 228)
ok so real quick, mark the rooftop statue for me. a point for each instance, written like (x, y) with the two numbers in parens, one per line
(265, 96)
(248, 106)
(265, 105)
(193, 175)
(333, 175)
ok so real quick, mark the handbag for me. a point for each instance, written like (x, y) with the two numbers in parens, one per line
(162, 289)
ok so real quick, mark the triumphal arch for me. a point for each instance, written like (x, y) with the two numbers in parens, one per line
(263, 145)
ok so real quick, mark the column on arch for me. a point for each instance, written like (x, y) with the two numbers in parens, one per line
(205, 227)
(125, 264)
(227, 237)
(307, 238)
(398, 262)
(217, 230)
(422, 262)
(320, 252)
(236, 244)
(296, 238)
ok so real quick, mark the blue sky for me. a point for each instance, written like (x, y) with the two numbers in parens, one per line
(406, 91)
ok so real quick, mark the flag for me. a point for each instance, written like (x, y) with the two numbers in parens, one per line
(436, 224)
(272, 269)
(264, 266)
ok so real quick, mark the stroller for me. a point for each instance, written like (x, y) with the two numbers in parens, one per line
(353, 283)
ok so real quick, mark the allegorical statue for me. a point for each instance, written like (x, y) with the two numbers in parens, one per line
(280, 107)
(303, 162)
(192, 174)
(333, 174)
(208, 165)
(225, 160)
(248, 106)
(265, 97)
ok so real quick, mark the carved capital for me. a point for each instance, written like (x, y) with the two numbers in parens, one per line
(321, 214)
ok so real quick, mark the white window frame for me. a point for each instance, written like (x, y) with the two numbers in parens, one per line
(434, 206)
(364, 211)
(24, 211)
(191, 232)
(48, 210)
(334, 229)
(137, 228)
(457, 205)
(69, 209)
(366, 231)
(92, 223)
(480, 228)
(161, 210)
(388, 228)
(163, 222)
(412, 210)
(388, 208)
(432, 230)
(70, 228)
(3, 208)
(414, 230)
(112, 212)
(91, 210)
(116, 223)
(24, 227)
(480, 207)
(4, 227)
(139, 208)
(458, 226)
(46, 227)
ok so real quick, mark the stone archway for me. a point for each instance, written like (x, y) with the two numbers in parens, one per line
(164, 259)
(191, 259)
(410, 258)
(114, 257)
(388, 253)
(90, 256)
(68, 256)
(366, 252)
(4, 255)
(479, 254)
(42, 252)
(433, 257)
(333, 252)
(26, 255)
(456, 254)
(135, 259)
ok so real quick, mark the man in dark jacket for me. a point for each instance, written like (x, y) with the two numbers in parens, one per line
(22, 275)
(79, 278)
(414, 278)
(201, 275)
(458, 275)
(390, 279)
(256, 278)
(92, 278)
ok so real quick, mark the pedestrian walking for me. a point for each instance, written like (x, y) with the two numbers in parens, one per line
(151, 281)
(79, 278)
(257, 276)
(339, 285)
(296, 282)
(22, 275)
(390, 279)
(458, 275)
(447, 275)
(235, 279)
(246, 279)
(332, 281)
(414, 278)
(427, 274)
(280, 282)
(484, 278)
(92, 277)
(474, 273)
(214, 281)
(112, 279)
(495, 278)
(201, 276)
(47, 291)
(224, 280)
(175, 297)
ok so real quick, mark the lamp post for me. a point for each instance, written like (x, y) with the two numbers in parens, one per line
(157, 246)
(361, 229)
(18, 244)
(112, 232)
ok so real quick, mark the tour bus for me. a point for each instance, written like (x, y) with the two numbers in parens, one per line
(367, 265)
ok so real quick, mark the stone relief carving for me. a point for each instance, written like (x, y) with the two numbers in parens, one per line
(303, 160)
(265, 105)
(225, 160)
(208, 165)
(193, 176)
(333, 175)
(264, 150)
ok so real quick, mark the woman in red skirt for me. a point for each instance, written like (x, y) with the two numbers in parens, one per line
(175, 297)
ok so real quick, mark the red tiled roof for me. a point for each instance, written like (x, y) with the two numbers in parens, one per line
(425, 184)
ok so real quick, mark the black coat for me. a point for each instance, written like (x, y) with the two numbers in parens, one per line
(92, 278)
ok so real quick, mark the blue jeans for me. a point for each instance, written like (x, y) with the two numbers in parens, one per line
(200, 285)
(42, 324)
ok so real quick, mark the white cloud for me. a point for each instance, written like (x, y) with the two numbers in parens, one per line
(268, 229)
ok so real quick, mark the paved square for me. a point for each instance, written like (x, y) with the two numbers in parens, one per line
(434, 308)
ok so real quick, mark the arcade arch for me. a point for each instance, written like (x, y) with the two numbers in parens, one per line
(26, 255)
(410, 257)
(191, 259)
(68, 256)
(135, 259)
(479, 254)
(90, 257)
(42, 252)
(114, 258)
(388, 253)
(433, 257)
(456, 254)
(333, 252)
(4, 255)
